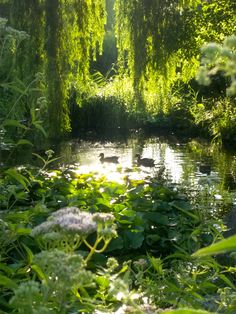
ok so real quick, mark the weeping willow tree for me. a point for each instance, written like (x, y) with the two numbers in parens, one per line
(64, 36)
(159, 43)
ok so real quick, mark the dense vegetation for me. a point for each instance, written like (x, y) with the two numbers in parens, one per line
(50, 64)
(77, 243)
(127, 249)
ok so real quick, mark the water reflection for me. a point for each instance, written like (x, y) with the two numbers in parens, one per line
(184, 162)
(199, 166)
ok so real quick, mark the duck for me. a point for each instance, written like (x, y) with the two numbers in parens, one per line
(146, 162)
(111, 159)
(205, 168)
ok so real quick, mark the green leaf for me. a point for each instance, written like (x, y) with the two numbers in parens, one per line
(115, 244)
(186, 311)
(6, 269)
(39, 272)
(7, 282)
(102, 281)
(24, 142)
(13, 173)
(133, 239)
(157, 265)
(157, 218)
(39, 157)
(152, 238)
(179, 206)
(30, 254)
(40, 128)
(223, 246)
(227, 281)
(16, 123)
(23, 231)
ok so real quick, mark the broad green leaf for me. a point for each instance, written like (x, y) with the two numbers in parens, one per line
(115, 244)
(157, 218)
(222, 246)
(24, 142)
(152, 238)
(133, 239)
(7, 282)
(16, 123)
(13, 173)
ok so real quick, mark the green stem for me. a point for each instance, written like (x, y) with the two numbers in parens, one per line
(93, 249)
(88, 245)
(104, 247)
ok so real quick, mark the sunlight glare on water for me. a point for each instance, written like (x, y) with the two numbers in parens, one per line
(179, 166)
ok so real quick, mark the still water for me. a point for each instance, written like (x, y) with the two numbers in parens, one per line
(189, 162)
(195, 164)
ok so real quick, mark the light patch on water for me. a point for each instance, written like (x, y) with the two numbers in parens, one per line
(173, 165)
(179, 167)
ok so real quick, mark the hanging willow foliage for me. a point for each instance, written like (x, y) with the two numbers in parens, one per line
(65, 35)
(159, 42)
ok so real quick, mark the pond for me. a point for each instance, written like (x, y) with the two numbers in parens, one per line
(190, 162)
(195, 164)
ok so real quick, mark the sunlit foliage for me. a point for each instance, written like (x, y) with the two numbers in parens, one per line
(64, 37)
(159, 43)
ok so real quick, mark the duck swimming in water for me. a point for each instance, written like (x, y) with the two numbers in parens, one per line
(146, 162)
(111, 159)
(205, 168)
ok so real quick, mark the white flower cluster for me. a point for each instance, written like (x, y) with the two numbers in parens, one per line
(72, 220)
(68, 219)
(103, 218)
